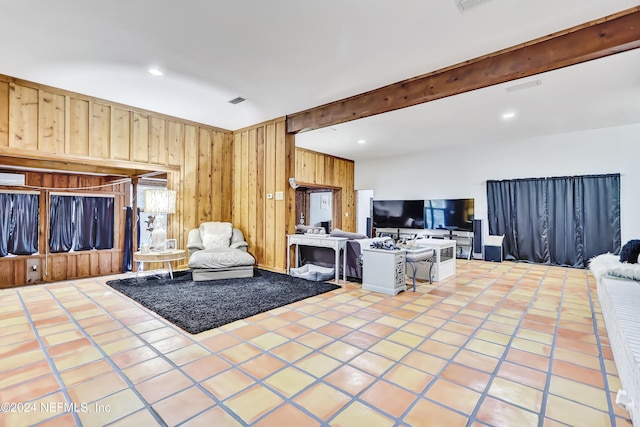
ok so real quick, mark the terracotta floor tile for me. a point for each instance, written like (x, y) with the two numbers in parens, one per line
(448, 337)
(349, 379)
(163, 385)
(111, 408)
(69, 347)
(77, 358)
(578, 373)
(287, 415)
(292, 331)
(330, 315)
(360, 339)
(30, 390)
(468, 377)
(429, 414)
(475, 360)
(358, 414)
(579, 392)
(453, 395)
(517, 394)
(249, 331)
(322, 400)
(317, 364)
(187, 354)
(314, 340)
(220, 342)
(436, 348)
(486, 348)
(262, 366)
(85, 372)
(523, 375)
(291, 351)
(502, 414)
(21, 374)
(572, 413)
(253, 403)
(182, 406)
(227, 383)
(140, 418)
(378, 330)
(424, 362)
(160, 334)
(97, 388)
(405, 338)
(341, 351)
(268, 341)
(216, 416)
(577, 358)
(131, 357)
(378, 396)
(147, 369)
(240, 353)
(59, 421)
(289, 381)
(49, 402)
(391, 350)
(528, 359)
(409, 378)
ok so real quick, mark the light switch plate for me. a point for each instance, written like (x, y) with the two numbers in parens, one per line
(279, 195)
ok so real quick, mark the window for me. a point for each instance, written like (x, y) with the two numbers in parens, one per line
(18, 223)
(80, 223)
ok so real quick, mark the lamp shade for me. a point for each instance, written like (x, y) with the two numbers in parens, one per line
(160, 201)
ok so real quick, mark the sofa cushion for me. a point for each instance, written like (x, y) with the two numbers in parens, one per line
(216, 234)
(220, 258)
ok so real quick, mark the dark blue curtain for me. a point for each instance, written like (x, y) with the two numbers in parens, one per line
(561, 221)
(104, 223)
(23, 238)
(81, 223)
(128, 241)
(61, 224)
(5, 223)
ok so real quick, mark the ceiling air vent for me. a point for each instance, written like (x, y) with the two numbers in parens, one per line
(465, 5)
(237, 100)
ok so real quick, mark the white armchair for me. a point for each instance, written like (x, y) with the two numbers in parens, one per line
(218, 251)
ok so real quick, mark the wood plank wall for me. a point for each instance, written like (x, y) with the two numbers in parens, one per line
(263, 161)
(321, 169)
(42, 126)
(13, 270)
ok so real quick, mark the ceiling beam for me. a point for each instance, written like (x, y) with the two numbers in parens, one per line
(596, 39)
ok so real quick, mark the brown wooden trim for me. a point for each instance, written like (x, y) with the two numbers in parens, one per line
(596, 39)
(322, 154)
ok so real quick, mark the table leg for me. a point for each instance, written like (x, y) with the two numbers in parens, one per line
(288, 259)
(344, 264)
(336, 264)
(170, 269)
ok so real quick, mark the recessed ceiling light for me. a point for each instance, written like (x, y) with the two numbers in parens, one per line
(509, 115)
(155, 72)
(361, 141)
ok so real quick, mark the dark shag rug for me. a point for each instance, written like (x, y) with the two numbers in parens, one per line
(199, 306)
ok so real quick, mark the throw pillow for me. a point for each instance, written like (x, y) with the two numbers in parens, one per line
(215, 234)
(630, 252)
(336, 232)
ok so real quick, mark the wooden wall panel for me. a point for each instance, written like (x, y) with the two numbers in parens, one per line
(51, 122)
(269, 245)
(78, 127)
(140, 138)
(120, 134)
(66, 128)
(100, 131)
(157, 142)
(175, 142)
(23, 117)
(4, 114)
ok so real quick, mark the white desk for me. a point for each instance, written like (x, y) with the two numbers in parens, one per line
(336, 243)
(445, 262)
(162, 256)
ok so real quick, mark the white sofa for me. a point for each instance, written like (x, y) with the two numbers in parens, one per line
(618, 286)
(218, 251)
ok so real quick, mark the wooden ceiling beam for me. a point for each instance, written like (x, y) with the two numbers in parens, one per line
(596, 39)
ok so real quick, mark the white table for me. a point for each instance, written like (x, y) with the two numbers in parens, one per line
(322, 241)
(160, 256)
(445, 261)
(384, 270)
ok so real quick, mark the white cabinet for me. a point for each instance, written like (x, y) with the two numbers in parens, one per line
(383, 271)
(445, 261)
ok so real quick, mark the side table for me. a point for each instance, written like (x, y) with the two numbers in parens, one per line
(161, 256)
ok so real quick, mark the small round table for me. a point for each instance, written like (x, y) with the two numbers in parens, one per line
(161, 256)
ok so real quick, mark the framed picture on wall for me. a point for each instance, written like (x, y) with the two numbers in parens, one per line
(170, 244)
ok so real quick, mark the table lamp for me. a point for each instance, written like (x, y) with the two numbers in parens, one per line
(159, 202)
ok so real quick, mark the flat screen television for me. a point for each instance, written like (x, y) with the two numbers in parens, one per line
(449, 214)
(398, 213)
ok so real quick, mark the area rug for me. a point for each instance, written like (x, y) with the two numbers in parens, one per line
(199, 306)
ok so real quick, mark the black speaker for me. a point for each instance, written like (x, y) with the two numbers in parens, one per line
(477, 236)
(369, 227)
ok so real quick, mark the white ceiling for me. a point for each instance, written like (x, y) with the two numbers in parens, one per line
(285, 56)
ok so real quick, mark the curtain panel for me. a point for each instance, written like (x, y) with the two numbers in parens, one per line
(80, 223)
(560, 221)
(18, 224)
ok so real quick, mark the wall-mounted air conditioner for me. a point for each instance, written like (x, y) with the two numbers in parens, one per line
(11, 179)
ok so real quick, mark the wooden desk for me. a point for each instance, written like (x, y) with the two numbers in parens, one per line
(161, 256)
(336, 243)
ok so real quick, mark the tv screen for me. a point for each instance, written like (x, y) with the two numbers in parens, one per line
(398, 213)
(450, 214)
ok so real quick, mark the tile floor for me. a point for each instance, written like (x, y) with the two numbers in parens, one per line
(498, 345)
